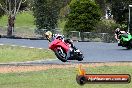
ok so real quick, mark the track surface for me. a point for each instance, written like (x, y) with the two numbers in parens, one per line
(93, 51)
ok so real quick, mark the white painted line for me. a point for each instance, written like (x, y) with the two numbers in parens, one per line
(1, 44)
(40, 48)
(13, 45)
(31, 47)
(23, 46)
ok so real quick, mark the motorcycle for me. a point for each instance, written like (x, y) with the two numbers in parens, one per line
(126, 40)
(61, 48)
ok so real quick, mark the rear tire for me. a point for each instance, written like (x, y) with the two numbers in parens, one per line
(62, 58)
(80, 59)
(129, 45)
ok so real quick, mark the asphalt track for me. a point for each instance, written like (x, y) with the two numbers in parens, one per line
(93, 51)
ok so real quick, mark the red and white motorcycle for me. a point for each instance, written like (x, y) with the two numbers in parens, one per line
(61, 48)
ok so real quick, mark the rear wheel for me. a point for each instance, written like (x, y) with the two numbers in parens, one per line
(129, 46)
(60, 54)
(80, 58)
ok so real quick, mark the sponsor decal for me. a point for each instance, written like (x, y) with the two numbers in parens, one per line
(83, 78)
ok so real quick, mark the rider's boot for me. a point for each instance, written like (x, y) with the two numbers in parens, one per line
(75, 49)
(119, 43)
(68, 54)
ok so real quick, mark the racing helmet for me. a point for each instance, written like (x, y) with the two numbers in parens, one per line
(117, 31)
(48, 34)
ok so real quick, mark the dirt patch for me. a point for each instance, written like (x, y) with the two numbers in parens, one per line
(13, 69)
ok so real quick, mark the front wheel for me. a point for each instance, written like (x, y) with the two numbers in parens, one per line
(60, 54)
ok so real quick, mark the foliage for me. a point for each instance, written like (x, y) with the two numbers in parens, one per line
(83, 16)
(46, 12)
(23, 19)
(1, 13)
(120, 10)
(102, 5)
(106, 26)
(45, 15)
(5, 4)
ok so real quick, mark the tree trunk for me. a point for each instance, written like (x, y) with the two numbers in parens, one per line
(10, 29)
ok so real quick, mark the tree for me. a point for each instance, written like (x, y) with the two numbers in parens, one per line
(1, 13)
(83, 16)
(119, 10)
(11, 8)
(46, 12)
(102, 5)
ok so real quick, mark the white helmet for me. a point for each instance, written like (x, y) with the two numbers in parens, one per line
(117, 30)
(48, 34)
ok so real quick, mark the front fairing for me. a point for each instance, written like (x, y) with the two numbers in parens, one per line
(126, 39)
(58, 43)
(53, 44)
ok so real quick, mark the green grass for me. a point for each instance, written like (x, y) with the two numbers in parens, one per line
(25, 19)
(24, 24)
(17, 54)
(60, 78)
(3, 21)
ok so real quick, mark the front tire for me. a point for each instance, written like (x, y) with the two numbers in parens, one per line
(58, 53)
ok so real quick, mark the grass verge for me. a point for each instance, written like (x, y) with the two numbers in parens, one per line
(24, 25)
(22, 19)
(18, 54)
(60, 78)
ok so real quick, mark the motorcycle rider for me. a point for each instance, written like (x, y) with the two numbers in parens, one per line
(50, 37)
(118, 34)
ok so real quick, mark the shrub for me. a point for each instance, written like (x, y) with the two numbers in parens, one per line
(83, 16)
(106, 26)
